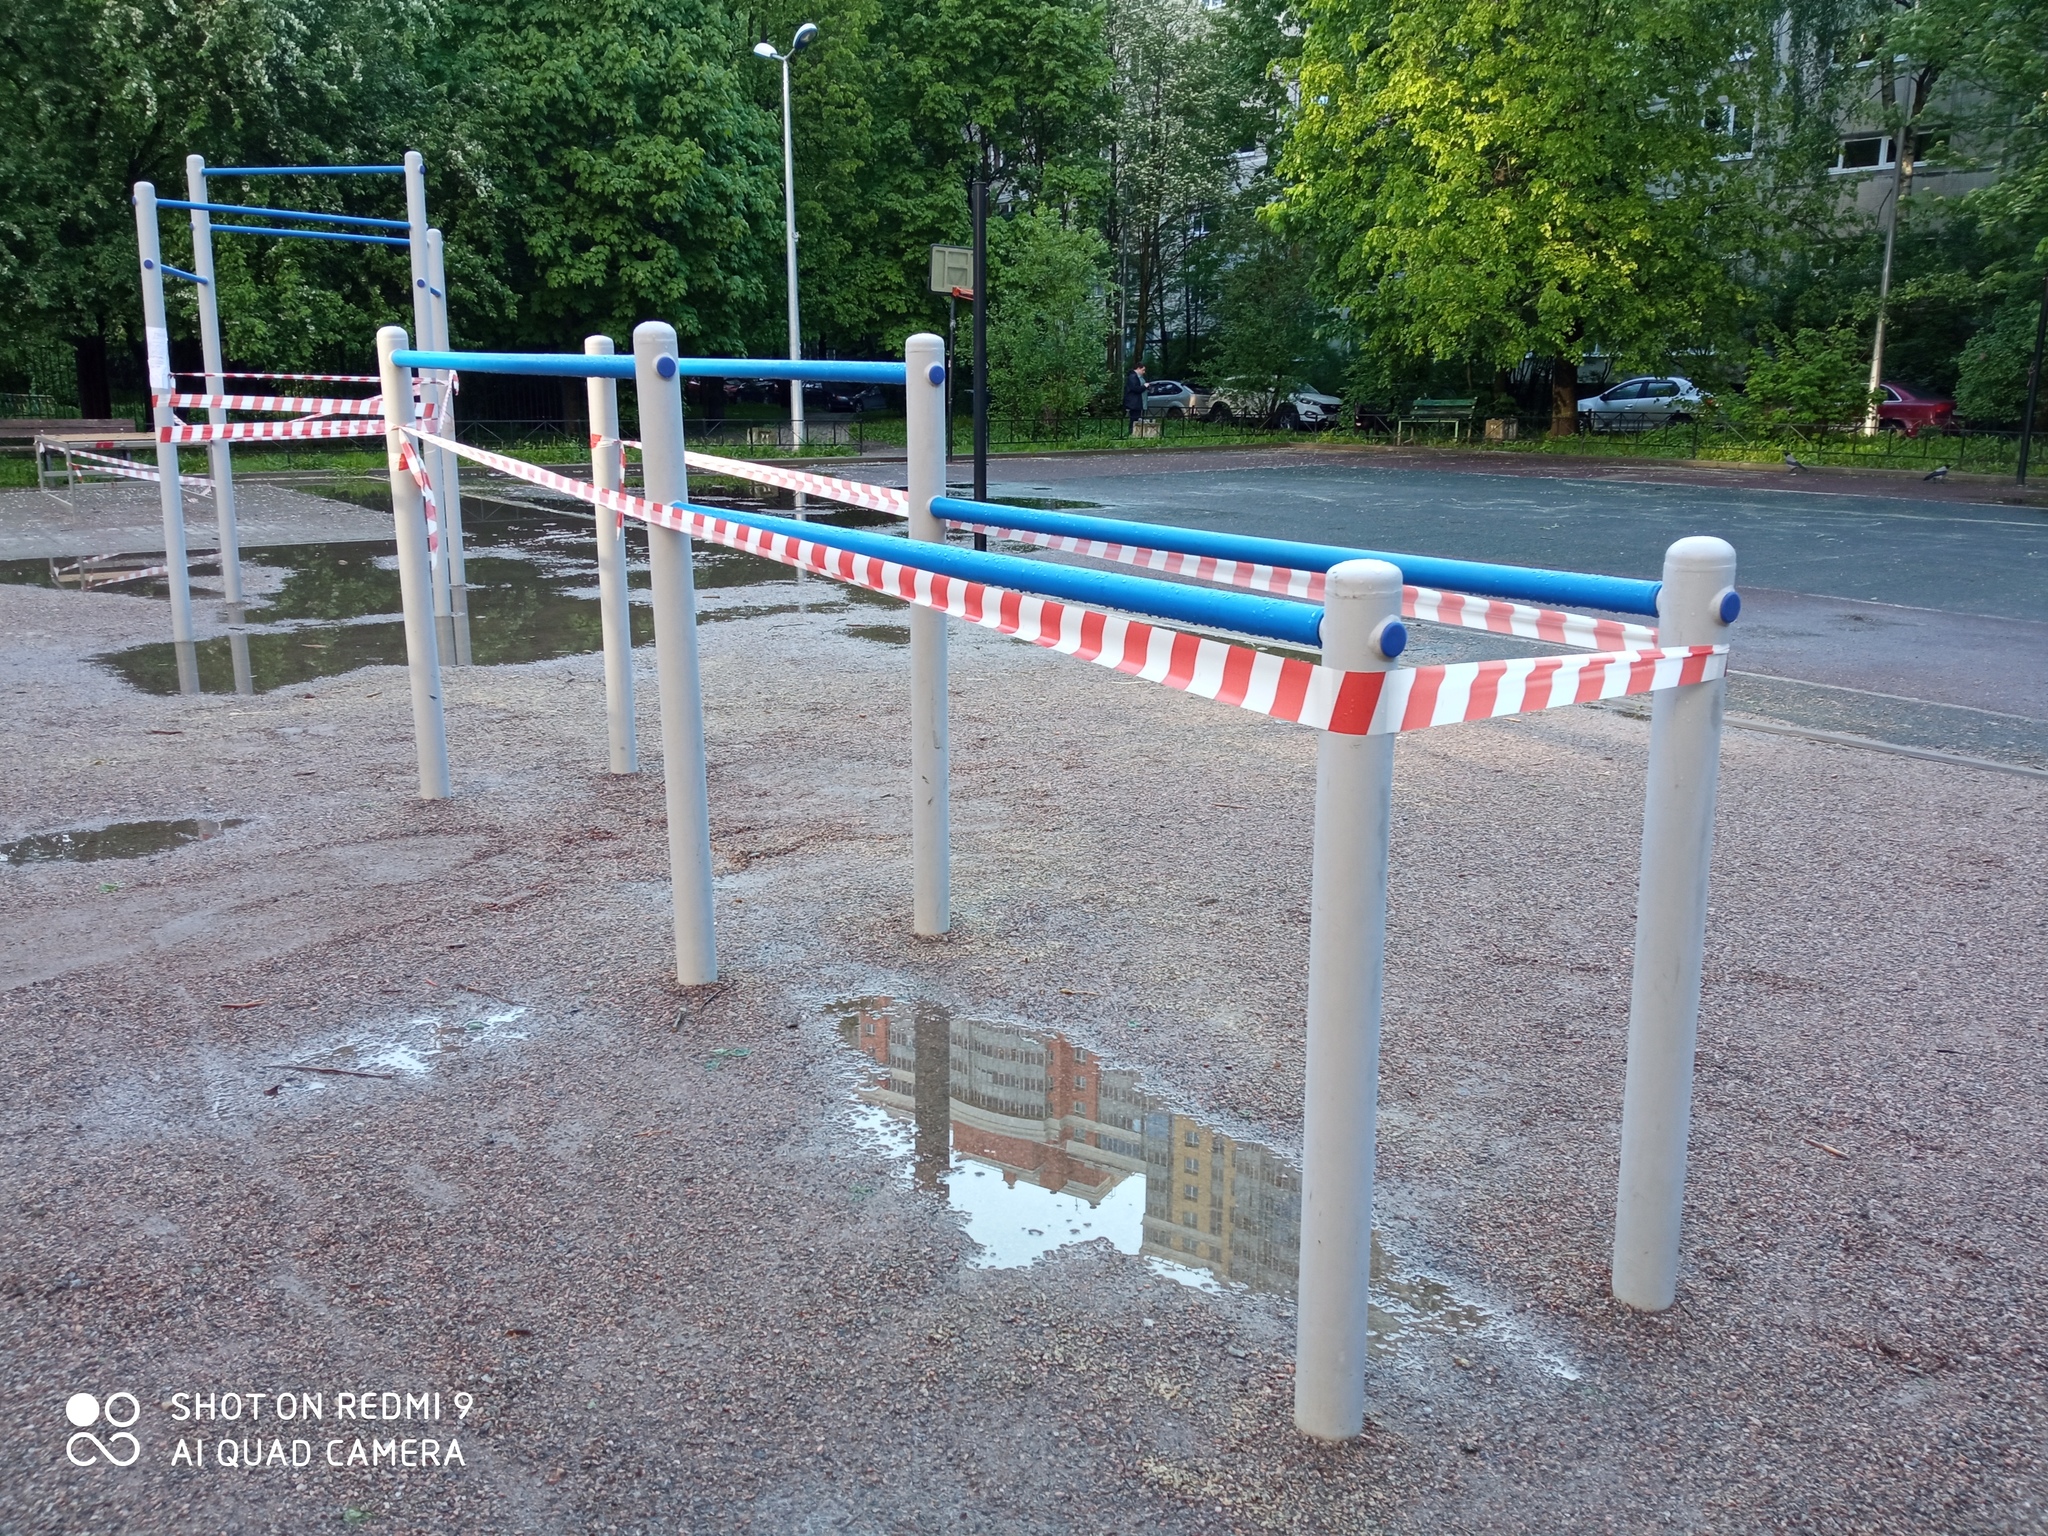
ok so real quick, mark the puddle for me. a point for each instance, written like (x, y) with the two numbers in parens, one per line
(334, 608)
(1039, 1145)
(122, 840)
(881, 634)
(407, 1049)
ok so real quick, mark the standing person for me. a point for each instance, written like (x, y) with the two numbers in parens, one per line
(1134, 393)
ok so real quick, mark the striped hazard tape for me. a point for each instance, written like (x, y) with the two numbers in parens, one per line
(301, 378)
(128, 469)
(266, 431)
(302, 405)
(855, 493)
(1427, 604)
(1282, 687)
(409, 461)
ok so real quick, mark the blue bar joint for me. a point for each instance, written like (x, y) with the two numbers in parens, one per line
(1517, 583)
(297, 216)
(1240, 613)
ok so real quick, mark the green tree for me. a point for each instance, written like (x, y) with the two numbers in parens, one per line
(1493, 180)
(1268, 330)
(1044, 341)
(96, 96)
(605, 162)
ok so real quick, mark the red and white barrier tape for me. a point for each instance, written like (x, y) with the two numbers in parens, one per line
(304, 378)
(267, 431)
(369, 405)
(409, 461)
(105, 464)
(1282, 687)
(1423, 603)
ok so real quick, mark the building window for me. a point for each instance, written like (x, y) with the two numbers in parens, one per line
(1187, 1219)
(1080, 1080)
(1194, 1138)
(1864, 153)
(1191, 1165)
(1191, 1192)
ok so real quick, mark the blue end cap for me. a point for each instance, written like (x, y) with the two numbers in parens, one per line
(1731, 605)
(1393, 638)
(936, 373)
(419, 282)
(665, 366)
(148, 265)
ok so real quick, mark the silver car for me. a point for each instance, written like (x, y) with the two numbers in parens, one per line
(1635, 405)
(1169, 398)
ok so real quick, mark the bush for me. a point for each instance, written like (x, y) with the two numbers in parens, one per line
(1813, 378)
(1991, 386)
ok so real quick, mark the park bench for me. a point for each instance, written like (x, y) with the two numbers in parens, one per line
(22, 431)
(1456, 413)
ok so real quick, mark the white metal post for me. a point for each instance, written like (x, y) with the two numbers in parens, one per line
(448, 484)
(415, 583)
(1346, 963)
(608, 470)
(796, 336)
(1695, 607)
(219, 455)
(156, 333)
(931, 851)
(430, 389)
(675, 654)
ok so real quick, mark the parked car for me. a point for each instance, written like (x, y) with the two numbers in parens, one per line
(1913, 411)
(1304, 410)
(1636, 405)
(1169, 398)
(844, 399)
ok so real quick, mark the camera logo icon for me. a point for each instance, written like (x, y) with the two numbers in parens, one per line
(117, 1414)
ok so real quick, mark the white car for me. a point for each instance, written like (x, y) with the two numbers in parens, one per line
(1305, 410)
(1636, 405)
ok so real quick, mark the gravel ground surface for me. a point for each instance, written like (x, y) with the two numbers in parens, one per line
(685, 1292)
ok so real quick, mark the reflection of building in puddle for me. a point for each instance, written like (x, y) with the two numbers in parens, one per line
(1084, 1153)
(1228, 1206)
(1049, 1114)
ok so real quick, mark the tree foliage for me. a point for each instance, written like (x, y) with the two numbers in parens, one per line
(1045, 328)
(1491, 180)
(1808, 379)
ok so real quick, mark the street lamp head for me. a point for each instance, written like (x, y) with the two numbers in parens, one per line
(805, 36)
(765, 50)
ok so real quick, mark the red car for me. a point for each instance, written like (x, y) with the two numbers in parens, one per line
(1912, 411)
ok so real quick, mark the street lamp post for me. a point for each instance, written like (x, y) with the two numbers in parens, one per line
(804, 36)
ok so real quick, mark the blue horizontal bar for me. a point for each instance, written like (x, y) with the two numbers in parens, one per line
(1519, 583)
(1270, 617)
(190, 277)
(298, 216)
(305, 170)
(309, 234)
(582, 365)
